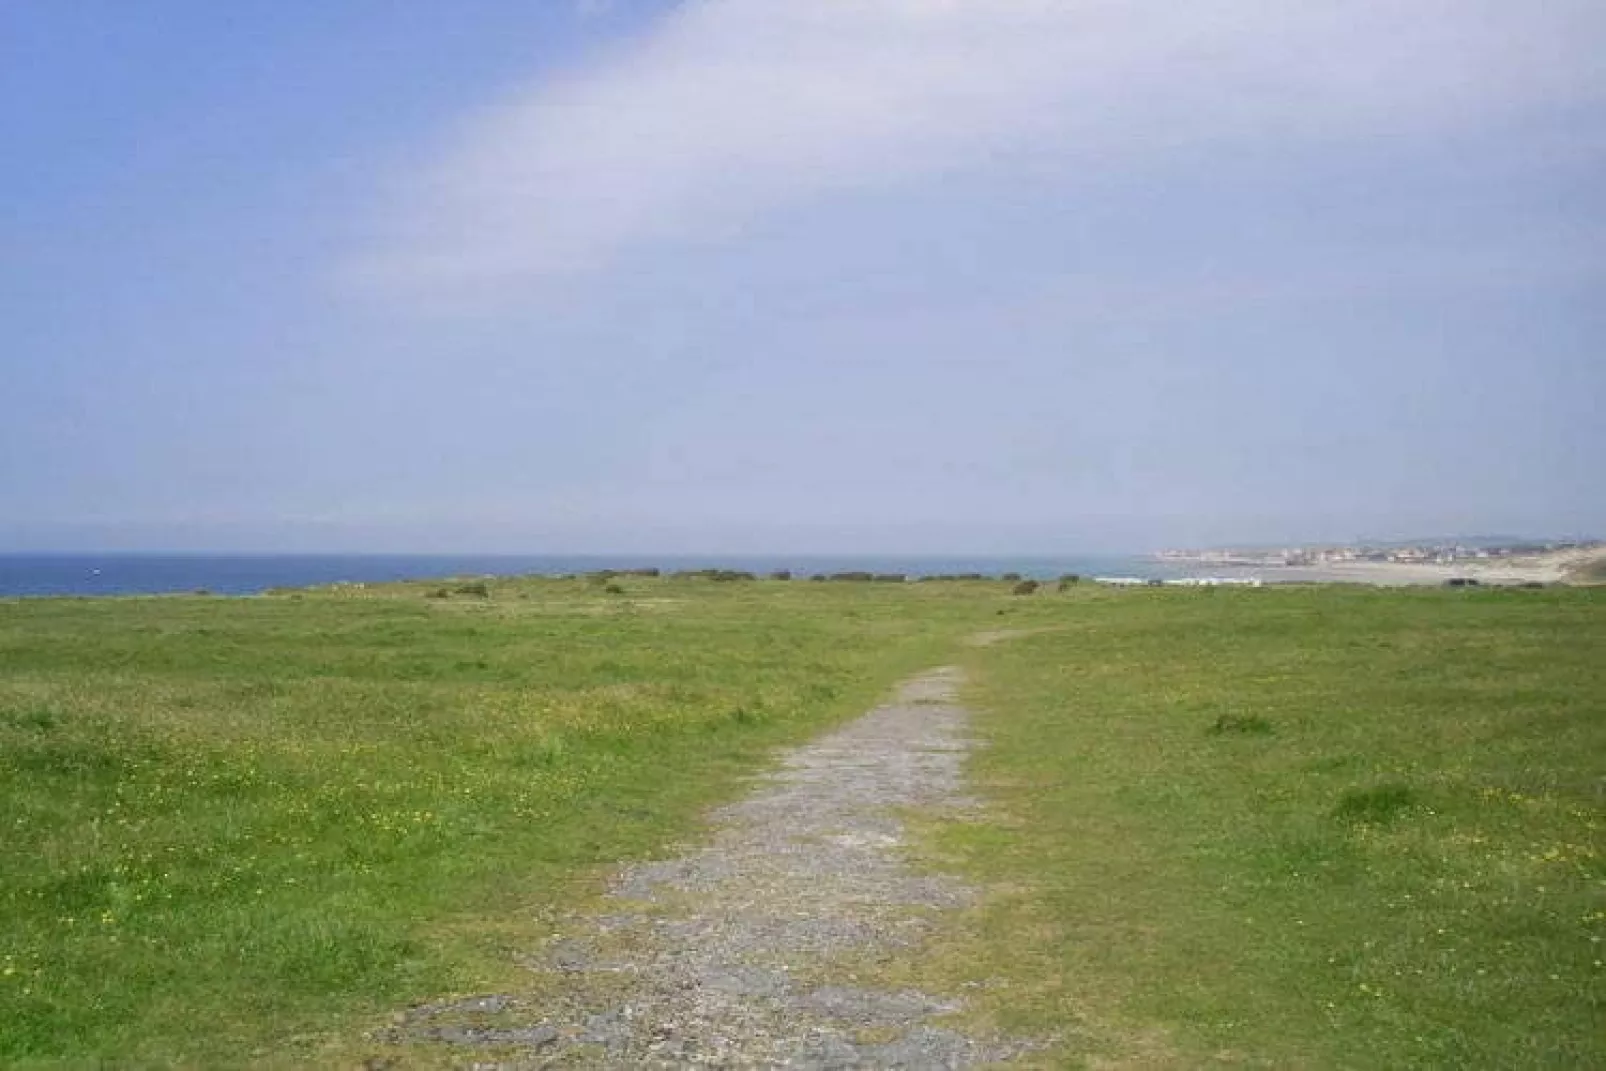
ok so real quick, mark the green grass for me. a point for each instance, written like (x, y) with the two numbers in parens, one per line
(1317, 827)
(1297, 827)
(234, 828)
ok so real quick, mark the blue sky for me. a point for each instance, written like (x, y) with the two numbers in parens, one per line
(750, 276)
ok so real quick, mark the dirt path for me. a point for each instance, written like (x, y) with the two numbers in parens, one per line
(741, 953)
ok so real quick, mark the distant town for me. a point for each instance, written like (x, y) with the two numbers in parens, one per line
(1426, 553)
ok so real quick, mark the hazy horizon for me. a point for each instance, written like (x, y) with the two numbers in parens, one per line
(904, 277)
(647, 553)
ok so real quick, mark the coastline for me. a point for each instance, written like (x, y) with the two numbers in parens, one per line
(1556, 567)
(98, 574)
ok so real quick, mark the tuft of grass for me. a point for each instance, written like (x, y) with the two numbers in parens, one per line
(1377, 805)
(1241, 724)
(36, 719)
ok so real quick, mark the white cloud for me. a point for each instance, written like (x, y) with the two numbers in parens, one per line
(729, 109)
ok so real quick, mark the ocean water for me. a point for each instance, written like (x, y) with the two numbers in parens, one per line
(249, 574)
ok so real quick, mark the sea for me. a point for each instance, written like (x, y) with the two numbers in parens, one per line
(252, 574)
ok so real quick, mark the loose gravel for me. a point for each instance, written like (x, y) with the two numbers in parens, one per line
(736, 953)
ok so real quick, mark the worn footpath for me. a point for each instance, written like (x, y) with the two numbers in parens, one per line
(746, 952)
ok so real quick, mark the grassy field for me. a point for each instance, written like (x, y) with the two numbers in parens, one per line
(1312, 828)
(233, 827)
(1294, 827)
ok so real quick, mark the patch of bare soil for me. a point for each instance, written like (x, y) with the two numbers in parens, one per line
(736, 953)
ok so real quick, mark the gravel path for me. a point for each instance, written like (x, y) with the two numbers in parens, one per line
(740, 953)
